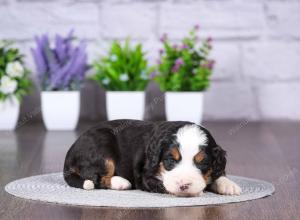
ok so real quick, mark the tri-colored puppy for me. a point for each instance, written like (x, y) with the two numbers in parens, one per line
(180, 158)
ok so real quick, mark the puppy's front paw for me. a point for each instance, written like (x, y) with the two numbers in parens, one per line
(225, 186)
(88, 185)
(119, 183)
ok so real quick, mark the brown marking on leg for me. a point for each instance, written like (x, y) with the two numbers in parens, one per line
(74, 171)
(110, 171)
(175, 153)
(199, 156)
(207, 176)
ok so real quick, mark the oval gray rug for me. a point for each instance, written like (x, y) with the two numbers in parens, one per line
(52, 188)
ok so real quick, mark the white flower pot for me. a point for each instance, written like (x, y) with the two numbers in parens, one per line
(9, 113)
(125, 105)
(184, 106)
(60, 109)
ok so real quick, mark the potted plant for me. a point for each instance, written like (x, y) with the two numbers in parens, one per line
(124, 75)
(61, 70)
(14, 84)
(183, 72)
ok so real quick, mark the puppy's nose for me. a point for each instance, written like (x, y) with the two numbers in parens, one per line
(184, 187)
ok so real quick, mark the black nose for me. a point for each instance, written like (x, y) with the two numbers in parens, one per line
(184, 187)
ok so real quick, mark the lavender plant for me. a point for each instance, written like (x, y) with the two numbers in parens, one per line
(184, 67)
(61, 67)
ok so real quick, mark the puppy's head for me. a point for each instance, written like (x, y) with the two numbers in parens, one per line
(190, 162)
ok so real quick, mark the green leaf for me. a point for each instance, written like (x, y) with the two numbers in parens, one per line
(122, 59)
(191, 76)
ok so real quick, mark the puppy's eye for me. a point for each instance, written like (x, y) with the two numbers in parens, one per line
(169, 163)
(203, 166)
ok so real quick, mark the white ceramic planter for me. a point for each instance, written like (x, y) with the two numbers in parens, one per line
(125, 105)
(184, 106)
(9, 113)
(60, 109)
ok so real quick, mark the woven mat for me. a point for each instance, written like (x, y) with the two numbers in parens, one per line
(52, 188)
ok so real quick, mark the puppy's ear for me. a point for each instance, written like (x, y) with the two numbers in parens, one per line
(153, 152)
(218, 162)
(159, 139)
(154, 149)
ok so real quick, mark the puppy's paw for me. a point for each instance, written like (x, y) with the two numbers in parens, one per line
(225, 186)
(119, 183)
(88, 185)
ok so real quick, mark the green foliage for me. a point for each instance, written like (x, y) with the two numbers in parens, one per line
(124, 69)
(22, 83)
(185, 67)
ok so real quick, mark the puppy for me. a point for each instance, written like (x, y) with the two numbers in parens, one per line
(179, 158)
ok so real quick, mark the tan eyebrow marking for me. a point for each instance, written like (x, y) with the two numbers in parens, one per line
(199, 156)
(175, 153)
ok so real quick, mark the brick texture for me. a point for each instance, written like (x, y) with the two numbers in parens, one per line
(256, 47)
(122, 20)
(279, 101)
(272, 61)
(22, 20)
(283, 18)
(225, 19)
(230, 100)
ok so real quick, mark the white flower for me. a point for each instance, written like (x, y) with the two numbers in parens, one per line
(113, 58)
(124, 77)
(8, 85)
(15, 69)
(2, 43)
(106, 81)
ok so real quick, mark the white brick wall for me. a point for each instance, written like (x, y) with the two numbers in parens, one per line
(256, 46)
(122, 20)
(283, 19)
(22, 20)
(222, 19)
(232, 100)
(272, 61)
(228, 59)
(279, 100)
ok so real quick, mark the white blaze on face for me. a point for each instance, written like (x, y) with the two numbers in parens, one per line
(185, 179)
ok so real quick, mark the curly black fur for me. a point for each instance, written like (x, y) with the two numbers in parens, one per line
(137, 148)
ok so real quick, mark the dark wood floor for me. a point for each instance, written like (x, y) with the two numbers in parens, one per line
(268, 151)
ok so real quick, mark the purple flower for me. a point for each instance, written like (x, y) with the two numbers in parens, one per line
(209, 64)
(197, 27)
(179, 62)
(61, 67)
(158, 61)
(209, 39)
(184, 46)
(161, 51)
(175, 68)
(153, 75)
(164, 38)
(175, 46)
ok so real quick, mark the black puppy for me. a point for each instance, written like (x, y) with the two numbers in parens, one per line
(179, 158)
